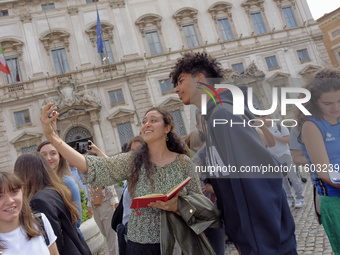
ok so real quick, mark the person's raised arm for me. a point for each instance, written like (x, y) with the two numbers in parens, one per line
(316, 149)
(95, 149)
(71, 155)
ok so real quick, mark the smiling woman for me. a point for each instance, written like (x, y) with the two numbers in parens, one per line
(47, 194)
(17, 223)
(61, 167)
(155, 167)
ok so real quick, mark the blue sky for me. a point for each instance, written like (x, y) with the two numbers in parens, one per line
(320, 7)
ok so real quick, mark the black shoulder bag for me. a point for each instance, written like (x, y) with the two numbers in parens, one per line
(118, 213)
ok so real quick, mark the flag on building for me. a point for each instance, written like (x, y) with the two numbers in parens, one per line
(100, 44)
(3, 65)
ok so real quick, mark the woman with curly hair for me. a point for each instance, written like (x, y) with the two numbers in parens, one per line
(47, 194)
(18, 225)
(156, 167)
(320, 142)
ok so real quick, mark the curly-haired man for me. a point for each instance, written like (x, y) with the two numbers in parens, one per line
(255, 211)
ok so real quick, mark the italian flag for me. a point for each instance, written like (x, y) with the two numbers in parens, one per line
(3, 65)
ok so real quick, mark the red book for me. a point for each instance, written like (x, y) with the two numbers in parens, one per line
(143, 201)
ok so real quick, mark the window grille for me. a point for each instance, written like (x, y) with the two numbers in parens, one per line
(179, 124)
(125, 132)
(29, 149)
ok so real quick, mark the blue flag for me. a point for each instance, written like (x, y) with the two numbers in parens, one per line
(100, 44)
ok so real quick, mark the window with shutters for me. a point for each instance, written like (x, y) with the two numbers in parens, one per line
(186, 20)
(289, 16)
(60, 60)
(303, 55)
(150, 27)
(22, 117)
(166, 85)
(116, 96)
(271, 62)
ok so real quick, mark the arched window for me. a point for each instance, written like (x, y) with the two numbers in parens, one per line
(12, 50)
(257, 16)
(288, 13)
(186, 19)
(223, 19)
(149, 26)
(56, 44)
(109, 52)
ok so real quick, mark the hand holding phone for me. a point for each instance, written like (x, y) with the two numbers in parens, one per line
(52, 113)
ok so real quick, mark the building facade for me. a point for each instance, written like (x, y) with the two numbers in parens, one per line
(330, 25)
(50, 47)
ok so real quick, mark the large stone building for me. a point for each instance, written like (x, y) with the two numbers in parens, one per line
(330, 25)
(51, 49)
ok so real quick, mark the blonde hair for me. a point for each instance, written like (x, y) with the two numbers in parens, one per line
(36, 173)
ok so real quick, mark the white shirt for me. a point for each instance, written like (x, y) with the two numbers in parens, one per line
(280, 148)
(17, 243)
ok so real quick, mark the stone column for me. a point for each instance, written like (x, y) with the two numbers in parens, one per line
(96, 128)
(32, 44)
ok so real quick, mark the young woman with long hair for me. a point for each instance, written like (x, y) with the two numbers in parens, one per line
(21, 232)
(47, 194)
(320, 142)
(154, 168)
(61, 167)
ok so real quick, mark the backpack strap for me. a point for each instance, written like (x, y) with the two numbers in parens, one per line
(39, 218)
(181, 157)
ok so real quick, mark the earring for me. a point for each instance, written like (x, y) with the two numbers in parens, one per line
(167, 138)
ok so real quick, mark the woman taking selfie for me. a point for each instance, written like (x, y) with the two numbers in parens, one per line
(156, 167)
(48, 195)
(21, 232)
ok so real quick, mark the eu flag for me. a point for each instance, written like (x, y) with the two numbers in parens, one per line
(100, 44)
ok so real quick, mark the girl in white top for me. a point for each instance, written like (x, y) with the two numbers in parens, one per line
(20, 231)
